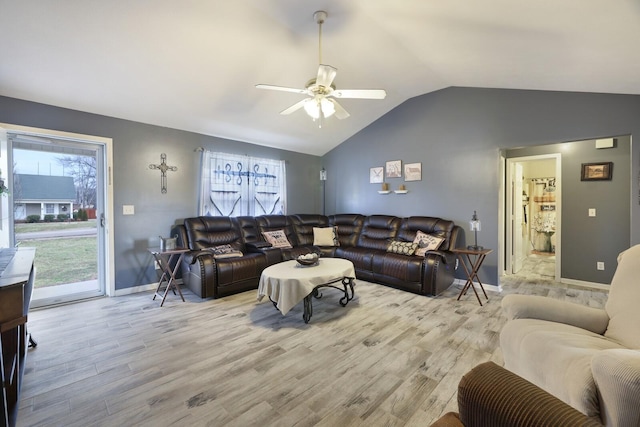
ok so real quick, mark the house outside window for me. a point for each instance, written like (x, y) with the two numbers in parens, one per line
(39, 195)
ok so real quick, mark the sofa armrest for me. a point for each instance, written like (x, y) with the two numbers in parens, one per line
(192, 257)
(444, 255)
(271, 254)
(257, 246)
(617, 376)
(450, 419)
(543, 308)
(490, 395)
(438, 272)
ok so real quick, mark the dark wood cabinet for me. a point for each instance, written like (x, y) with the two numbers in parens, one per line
(17, 274)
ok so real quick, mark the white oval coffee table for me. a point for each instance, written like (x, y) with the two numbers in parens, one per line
(287, 283)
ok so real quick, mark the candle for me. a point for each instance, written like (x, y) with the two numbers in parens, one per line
(385, 186)
(402, 187)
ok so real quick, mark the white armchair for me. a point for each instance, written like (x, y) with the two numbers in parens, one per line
(587, 357)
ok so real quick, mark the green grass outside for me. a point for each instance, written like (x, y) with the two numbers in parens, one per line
(49, 226)
(64, 260)
(61, 261)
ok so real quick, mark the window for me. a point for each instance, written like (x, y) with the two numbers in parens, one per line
(48, 208)
(234, 185)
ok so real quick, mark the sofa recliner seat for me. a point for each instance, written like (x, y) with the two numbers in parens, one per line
(362, 239)
(587, 357)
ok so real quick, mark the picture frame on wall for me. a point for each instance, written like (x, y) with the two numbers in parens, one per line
(413, 172)
(602, 171)
(394, 169)
(376, 175)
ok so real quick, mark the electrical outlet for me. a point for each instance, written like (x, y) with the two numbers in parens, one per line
(592, 212)
(600, 265)
(128, 210)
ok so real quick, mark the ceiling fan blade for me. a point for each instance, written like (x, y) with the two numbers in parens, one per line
(360, 93)
(281, 88)
(326, 74)
(294, 107)
(340, 113)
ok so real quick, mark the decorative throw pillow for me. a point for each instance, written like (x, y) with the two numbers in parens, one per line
(224, 251)
(427, 242)
(277, 238)
(403, 248)
(325, 236)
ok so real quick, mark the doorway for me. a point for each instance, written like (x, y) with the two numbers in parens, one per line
(58, 202)
(533, 217)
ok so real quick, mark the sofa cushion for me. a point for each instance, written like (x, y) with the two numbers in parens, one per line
(235, 270)
(556, 357)
(426, 242)
(276, 223)
(205, 232)
(622, 304)
(303, 226)
(277, 238)
(397, 269)
(377, 231)
(430, 225)
(349, 227)
(403, 248)
(325, 236)
(361, 258)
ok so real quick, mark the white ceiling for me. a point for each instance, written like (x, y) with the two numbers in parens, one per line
(193, 64)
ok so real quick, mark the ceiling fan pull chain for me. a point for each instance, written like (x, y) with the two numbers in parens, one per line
(320, 22)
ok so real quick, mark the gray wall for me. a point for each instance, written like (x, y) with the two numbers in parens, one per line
(457, 134)
(135, 146)
(587, 240)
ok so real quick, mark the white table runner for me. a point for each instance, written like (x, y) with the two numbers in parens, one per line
(287, 283)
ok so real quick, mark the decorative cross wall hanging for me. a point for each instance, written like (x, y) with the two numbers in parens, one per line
(163, 170)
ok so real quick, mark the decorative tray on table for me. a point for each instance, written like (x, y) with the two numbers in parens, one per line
(308, 259)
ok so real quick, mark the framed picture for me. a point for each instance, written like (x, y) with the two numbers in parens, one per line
(376, 175)
(413, 172)
(394, 169)
(602, 171)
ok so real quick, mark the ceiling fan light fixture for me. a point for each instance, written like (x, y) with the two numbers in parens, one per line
(321, 89)
(313, 106)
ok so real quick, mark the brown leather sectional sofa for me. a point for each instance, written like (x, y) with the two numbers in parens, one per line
(362, 239)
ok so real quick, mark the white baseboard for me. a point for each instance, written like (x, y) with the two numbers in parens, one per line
(136, 289)
(593, 285)
(141, 288)
(487, 287)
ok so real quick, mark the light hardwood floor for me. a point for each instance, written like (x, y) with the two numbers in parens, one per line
(389, 358)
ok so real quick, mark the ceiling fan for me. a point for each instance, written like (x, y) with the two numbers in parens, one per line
(321, 90)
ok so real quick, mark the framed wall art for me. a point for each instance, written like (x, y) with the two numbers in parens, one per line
(376, 175)
(602, 171)
(394, 169)
(413, 172)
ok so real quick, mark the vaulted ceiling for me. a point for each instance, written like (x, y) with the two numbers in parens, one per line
(193, 64)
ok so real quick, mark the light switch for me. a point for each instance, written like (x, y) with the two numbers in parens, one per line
(592, 212)
(128, 210)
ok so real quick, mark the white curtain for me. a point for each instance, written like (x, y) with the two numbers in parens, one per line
(234, 185)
